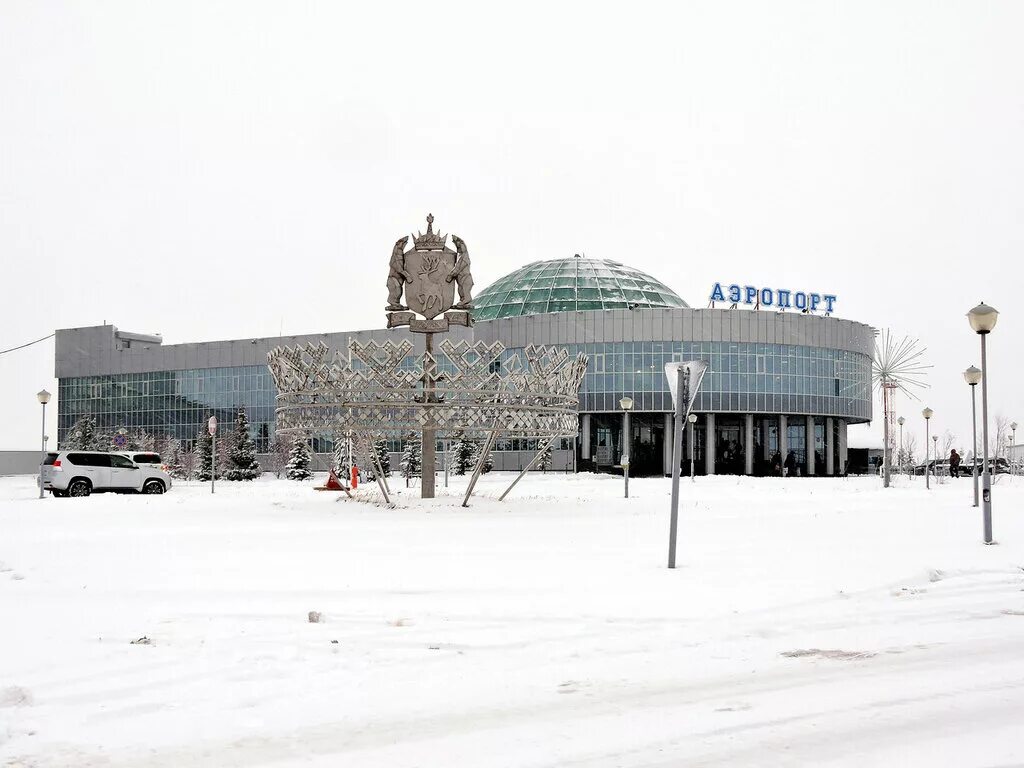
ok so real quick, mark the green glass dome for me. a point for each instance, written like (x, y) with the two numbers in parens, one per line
(568, 285)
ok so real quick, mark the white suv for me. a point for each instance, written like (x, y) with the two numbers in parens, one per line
(79, 473)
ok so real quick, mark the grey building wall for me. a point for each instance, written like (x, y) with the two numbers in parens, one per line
(102, 350)
(20, 462)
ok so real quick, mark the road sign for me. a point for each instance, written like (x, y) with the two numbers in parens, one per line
(212, 425)
(120, 440)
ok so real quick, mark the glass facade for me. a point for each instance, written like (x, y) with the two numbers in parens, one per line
(568, 285)
(171, 403)
(742, 377)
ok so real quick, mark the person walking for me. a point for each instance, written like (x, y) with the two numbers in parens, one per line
(954, 463)
(790, 464)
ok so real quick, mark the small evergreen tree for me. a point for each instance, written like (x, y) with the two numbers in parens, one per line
(462, 455)
(298, 460)
(342, 460)
(241, 452)
(204, 455)
(412, 457)
(544, 462)
(83, 436)
(380, 447)
(170, 452)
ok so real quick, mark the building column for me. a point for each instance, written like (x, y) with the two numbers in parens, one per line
(830, 457)
(709, 443)
(843, 458)
(585, 436)
(748, 451)
(765, 444)
(783, 437)
(809, 440)
(666, 453)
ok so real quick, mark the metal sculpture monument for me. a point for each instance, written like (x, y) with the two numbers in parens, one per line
(427, 274)
(382, 388)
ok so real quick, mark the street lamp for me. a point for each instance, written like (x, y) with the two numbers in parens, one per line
(692, 418)
(935, 465)
(626, 403)
(973, 376)
(983, 319)
(927, 413)
(43, 397)
(903, 459)
(1013, 444)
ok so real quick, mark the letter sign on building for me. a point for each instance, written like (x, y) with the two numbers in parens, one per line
(782, 298)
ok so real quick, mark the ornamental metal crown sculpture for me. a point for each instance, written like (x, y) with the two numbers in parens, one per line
(384, 389)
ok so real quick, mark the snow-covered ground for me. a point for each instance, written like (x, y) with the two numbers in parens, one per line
(811, 623)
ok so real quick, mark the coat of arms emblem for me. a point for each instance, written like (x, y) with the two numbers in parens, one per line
(429, 274)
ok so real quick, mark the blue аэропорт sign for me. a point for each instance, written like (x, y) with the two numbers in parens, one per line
(773, 297)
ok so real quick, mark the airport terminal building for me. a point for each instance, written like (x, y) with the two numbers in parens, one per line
(784, 375)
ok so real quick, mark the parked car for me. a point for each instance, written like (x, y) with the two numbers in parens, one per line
(79, 473)
(147, 458)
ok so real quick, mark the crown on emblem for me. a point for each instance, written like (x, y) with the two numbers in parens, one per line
(431, 241)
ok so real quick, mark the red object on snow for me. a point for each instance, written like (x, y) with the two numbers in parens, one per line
(333, 484)
(355, 477)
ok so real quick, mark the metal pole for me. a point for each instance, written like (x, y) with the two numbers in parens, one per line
(682, 397)
(447, 450)
(625, 450)
(479, 466)
(903, 459)
(213, 462)
(378, 470)
(974, 438)
(528, 467)
(428, 436)
(42, 443)
(927, 482)
(885, 420)
(693, 449)
(986, 477)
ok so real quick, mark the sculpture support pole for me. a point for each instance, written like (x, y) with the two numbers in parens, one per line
(479, 466)
(379, 474)
(543, 447)
(428, 443)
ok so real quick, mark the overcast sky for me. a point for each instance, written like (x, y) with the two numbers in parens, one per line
(220, 170)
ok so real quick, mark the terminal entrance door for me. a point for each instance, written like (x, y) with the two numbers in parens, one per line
(604, 447)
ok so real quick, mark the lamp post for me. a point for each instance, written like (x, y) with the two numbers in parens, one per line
(972, 376)
(935, 461)
(983, 319)
(43, 397)
(927, 413)
(626, 403)
(1013, 444)
(903, 459)
(692, 419)
(211, 427)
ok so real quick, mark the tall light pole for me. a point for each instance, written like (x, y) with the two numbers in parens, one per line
(972, 376)
(43, 397)
(983, 319)
(1013, 444)
(692, 419)
(627, 405)
(935, 462)
(903, 459)
(927, 413)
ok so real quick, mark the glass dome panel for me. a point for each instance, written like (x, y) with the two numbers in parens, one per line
(565, 285)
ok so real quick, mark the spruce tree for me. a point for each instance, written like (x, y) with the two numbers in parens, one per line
(412, 457)
(462, 455)
(544, 462)
(82, 436)
(380, 447)
(298, 460)
(204, 455)
(241, 452)
(342, 460)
